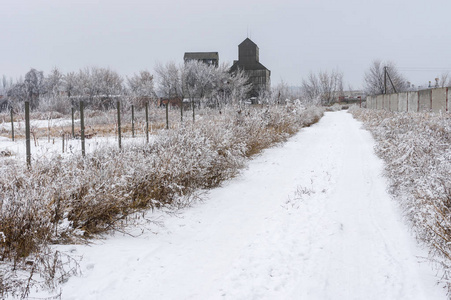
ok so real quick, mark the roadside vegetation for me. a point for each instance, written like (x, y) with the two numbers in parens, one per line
(69, 200)
(416, 150)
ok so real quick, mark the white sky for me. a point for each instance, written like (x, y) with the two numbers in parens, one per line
(294, 37)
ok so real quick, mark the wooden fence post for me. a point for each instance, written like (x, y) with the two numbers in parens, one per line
(12, 124)
(194, 117)
(181, 110)
(147, 122)
(119, 123)
(73, 122)
(167, 115)
(27, 132)
(82, 128)
(133, 121)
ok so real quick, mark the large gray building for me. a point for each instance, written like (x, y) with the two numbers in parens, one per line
(249, 61)
(210, 58)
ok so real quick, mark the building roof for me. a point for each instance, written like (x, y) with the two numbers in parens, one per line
(248, 41)
(251, 61)
(247, 66)
(201, 55)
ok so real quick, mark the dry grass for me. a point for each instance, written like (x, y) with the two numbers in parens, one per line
(63, 200)
(416, 150)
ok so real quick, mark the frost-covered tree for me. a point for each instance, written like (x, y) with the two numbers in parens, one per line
(324, 87)
(109, 83)
(98, 86)
(54, 82)
(281, 93)
(17, 94)
(5, 85)
(141, 88)
(198, 82)
(71, 85)
(202, 83)
(54, 99)
(34, 86)
(239, 86)
(375, 78)
(444, 80)
(198, 79)
(169, 80)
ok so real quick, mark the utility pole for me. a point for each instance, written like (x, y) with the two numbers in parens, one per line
(385, 80)
(389, 78)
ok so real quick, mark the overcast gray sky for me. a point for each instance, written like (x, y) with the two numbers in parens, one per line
(294, 37)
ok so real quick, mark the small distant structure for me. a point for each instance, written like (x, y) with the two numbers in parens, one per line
(4, 104)
(174, 102)
(249, 62)
(209, 58)
(352, 96)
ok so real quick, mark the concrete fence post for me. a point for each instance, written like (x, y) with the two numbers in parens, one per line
(430, 105)
(407, 102)
(447, 100)
(418, 106)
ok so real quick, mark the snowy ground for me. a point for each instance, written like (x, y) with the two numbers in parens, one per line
(45, 148)
(308, 220)
(20, 125)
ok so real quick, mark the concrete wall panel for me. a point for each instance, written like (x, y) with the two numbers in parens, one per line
(448, 92)
(436, 100)
(380, 101)
(425, 100)
(393, 102)
(402, 102)
(413, 101)
(370, 101)
(439, 100)
(386, 105)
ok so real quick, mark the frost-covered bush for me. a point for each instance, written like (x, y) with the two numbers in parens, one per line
(417, 150)
(62, 199)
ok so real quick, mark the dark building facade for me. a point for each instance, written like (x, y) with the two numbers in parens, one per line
(4, 104)
(210, 58)
(249, 61)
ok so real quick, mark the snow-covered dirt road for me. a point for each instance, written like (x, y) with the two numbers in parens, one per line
(310, 219)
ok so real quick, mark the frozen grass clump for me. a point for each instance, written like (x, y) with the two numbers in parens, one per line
(416, 148)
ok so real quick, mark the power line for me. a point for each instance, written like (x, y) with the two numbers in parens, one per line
(422, 69)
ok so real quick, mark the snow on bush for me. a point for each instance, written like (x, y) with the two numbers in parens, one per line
(416, 150)
(65, 199)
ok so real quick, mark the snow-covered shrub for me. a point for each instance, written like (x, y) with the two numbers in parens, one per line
(62, 199)
(416, 150)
